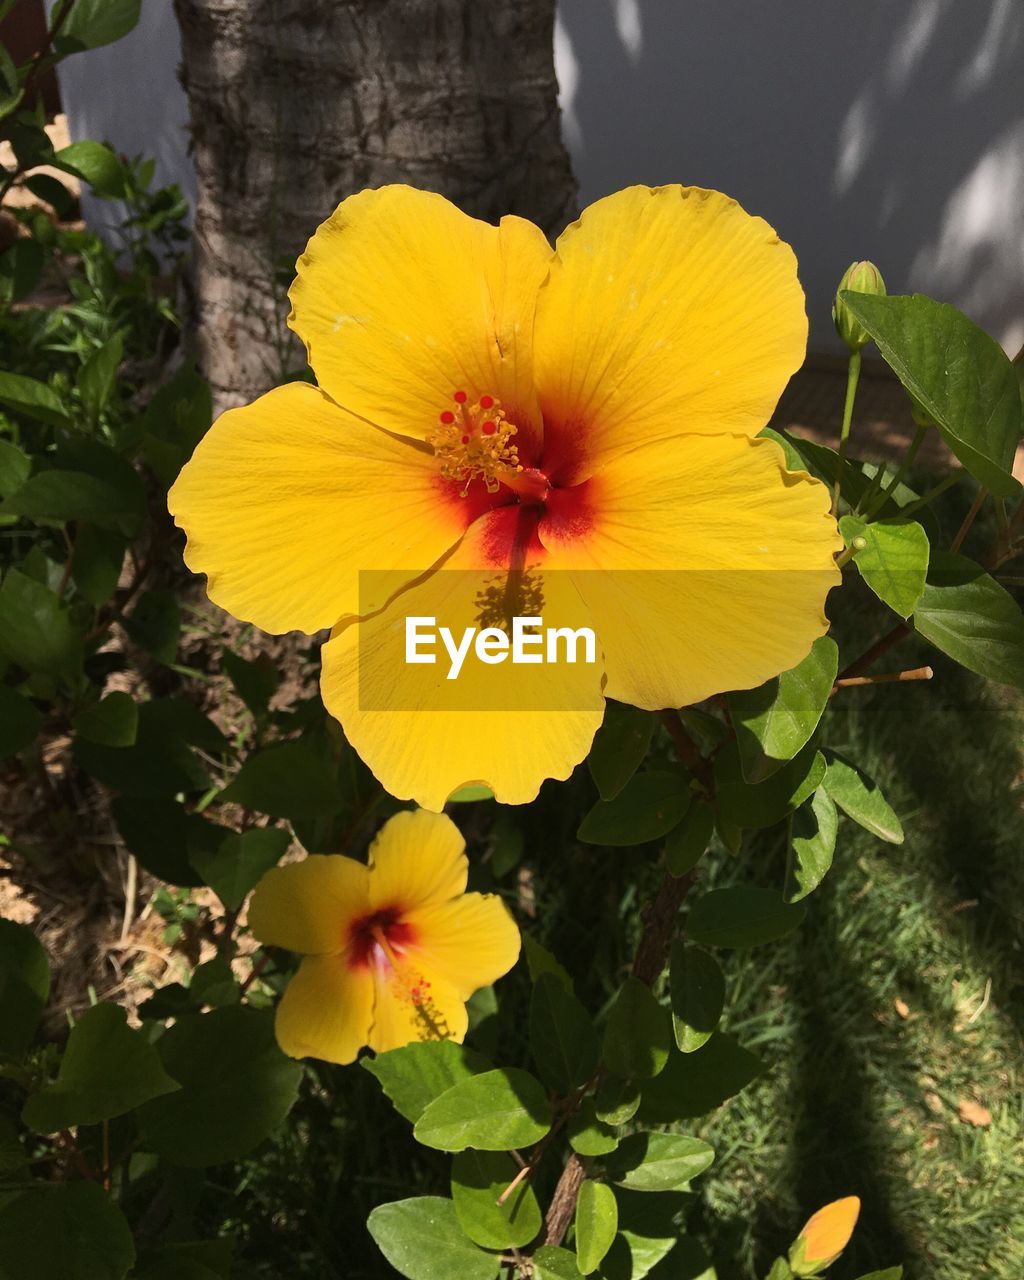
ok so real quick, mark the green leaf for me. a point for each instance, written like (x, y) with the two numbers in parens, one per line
(255, 680)
(75, 495)
(160, 762)
(289, 780)
(479, 1178)
(64, 1231)
(597, 1221)
(768, 802)
(22, 265)
(967, 615)
(589, 1136)
(114, 721)
(616, 1101)
(959, 375)
(619, 747)
(36, 631)
(20, 722)
(10, 84)
(648, 807)
(659, 1161)
(166, 839)
(890, 1273)
(815, 827)
(698, 995)
(15, 466)
(742, 916)
(495, 1111)
(32, 398)
(92, 23)
(894, 563)
(98, 376)
(24, 986)
(93, 162)
(694, 1084)
(48, 188)
(232, 869)
(422, 1240)
(552, 1263)
(414, 1075)
(155, 624)
(237, 1087)
(775, 720)
(860, 799)
(637, 1035)
(96, 562)
(107, 1070)
(563, 1041)
(687, 844)
(539, 960)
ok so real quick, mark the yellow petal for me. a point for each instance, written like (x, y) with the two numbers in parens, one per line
(828, 1231)
(506, 726)
(285, 500)
(410, 1004)
(704, 562)
(470, 942)
(417, 858)
(668, 309)
(308, 906)
(402, 299)
(325, 1011)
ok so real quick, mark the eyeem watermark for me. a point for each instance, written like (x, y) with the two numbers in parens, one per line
(530, 642)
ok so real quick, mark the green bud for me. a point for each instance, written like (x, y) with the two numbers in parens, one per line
(860, 277)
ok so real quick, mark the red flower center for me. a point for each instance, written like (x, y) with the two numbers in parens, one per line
(379, 938)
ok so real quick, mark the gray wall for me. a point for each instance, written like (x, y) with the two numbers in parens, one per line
(888, 129)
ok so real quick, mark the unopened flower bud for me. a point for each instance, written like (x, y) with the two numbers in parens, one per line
(825, 1235)
(860, 277)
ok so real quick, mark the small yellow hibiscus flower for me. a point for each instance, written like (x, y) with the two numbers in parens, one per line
(584, 417)
(824, 1237)
(392, 950)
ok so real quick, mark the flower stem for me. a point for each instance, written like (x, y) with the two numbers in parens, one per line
(969, 519)
(852, 378)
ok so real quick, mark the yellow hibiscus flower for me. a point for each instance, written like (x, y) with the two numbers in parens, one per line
(583, 416)
(392, 951)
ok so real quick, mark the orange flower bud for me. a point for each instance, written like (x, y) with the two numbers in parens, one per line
(825, 1235)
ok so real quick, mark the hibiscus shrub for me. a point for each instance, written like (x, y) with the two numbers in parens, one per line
(381, 941)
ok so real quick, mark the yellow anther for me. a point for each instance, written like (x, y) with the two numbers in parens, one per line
(474, 440)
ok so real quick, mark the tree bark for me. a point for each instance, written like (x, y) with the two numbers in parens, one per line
(295, 104)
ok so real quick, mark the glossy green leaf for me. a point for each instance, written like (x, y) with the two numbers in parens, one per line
(96, 562)
(762, 805)
(15, 467)
(54, 192)
(589, 1136)
(166, 839)
(616, 1100)
(414, 1075)
(742, 916)
(107, 1070)
(539, 960)
(698, 995)
(237, 1087)
(479, 1179)
(155, 624)
(694, 1084)
(93, 162)
(659, 1161)
(422, 1240)
(774, 721)
(92, 23)
(638, 1034)
(114, 720)
(563, 1041)
(98, 375)
(64, 1231)
(20, 722)
(813, 839)
(859, 798)
(894, 563)
(496, 1111)
(255, 679)
(75, 495)
(289, 780)
(961, 377)
(688, 842)
(36, 631)
(233, 869)
(597, 1220)
(553, 1263)
(22, 265)
(966, 614)
(619, 747)
(32, 398)
(160, 762)
(648, 807)
(24, 986)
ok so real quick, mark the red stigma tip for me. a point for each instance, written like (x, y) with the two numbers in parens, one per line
(488, 428)
(447, 417)
(460, 397)
(486, 402)
(465, 439)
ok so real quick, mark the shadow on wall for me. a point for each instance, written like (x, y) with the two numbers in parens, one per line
(891, 131)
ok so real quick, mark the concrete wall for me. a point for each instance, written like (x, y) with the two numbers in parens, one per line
(889, 129)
